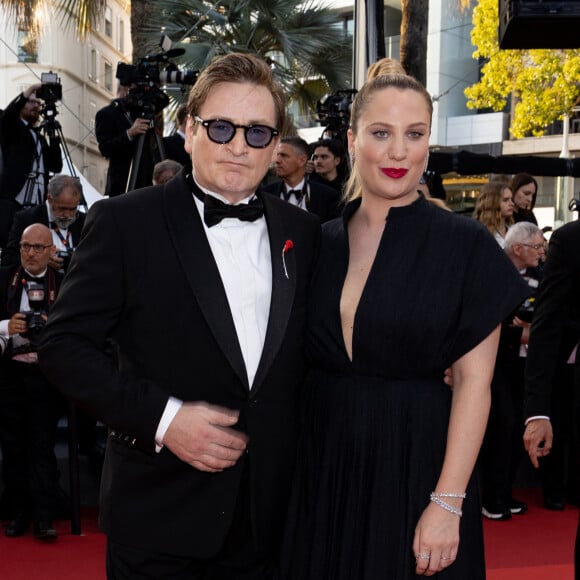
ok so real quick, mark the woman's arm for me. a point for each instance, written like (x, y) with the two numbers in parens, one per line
(437, 532)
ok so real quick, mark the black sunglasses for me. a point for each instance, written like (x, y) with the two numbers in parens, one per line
(220, 131)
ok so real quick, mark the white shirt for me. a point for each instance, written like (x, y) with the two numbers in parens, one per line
(242, 253)
(56, 239)
(292, 199)
(18, 340)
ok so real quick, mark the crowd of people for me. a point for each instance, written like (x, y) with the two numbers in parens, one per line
(283, 400)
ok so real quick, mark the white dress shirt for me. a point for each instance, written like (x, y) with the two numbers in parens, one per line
(241, 251)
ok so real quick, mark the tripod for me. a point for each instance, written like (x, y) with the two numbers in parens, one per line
(136, 163)
(52, 130)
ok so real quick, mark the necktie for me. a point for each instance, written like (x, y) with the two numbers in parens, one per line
(297, 194)
(214, 210)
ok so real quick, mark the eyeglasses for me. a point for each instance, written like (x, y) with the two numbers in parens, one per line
(36, 248)
(220, 131)
(535, 246)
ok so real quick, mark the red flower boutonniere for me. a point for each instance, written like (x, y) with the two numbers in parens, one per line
(288, 245)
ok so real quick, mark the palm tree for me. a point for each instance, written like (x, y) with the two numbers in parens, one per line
(80, 13)
(414, 24)
(309, 53)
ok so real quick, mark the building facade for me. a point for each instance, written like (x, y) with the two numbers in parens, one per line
(86, 70)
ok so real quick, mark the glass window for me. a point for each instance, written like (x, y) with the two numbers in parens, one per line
(109, 22)
(108, 76)
(93, 66)
(27, 46)
(121, 33)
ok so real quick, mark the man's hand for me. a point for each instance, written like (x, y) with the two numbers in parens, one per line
(202, 435)
(139, 127)
(55, 262)
(17, 324)
(538, 431)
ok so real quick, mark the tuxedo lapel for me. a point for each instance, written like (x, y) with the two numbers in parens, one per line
(191, 245)
(283, 287)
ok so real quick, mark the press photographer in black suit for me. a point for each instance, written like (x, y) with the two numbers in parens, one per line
(60, 213)
(118, 128)
(174, 145)
(29, 406)
(29, 158)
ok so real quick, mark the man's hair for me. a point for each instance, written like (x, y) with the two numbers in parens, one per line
(298, 143)
(58, 182)
(237, 67)
(167, 165)
(333, 145)
(520, 233)
(181, 114)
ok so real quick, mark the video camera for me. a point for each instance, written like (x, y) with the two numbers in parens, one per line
(51, 89)
(145, 97)
(333, 111)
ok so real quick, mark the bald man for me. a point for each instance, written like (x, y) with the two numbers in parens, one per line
(29, 406)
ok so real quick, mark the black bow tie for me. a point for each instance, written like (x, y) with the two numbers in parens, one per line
(30, 278)
(298, 193)
(214, 210)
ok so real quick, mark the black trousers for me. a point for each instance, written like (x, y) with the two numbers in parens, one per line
(29, 411)
(238, 558)
(503, 448)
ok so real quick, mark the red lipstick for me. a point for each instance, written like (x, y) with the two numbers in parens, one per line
(395, 172)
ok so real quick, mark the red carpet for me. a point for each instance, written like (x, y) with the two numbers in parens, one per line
(535, 546)
(68, 558)
(538, 545)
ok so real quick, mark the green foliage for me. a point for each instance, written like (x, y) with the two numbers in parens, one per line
(544, 84)
(310, 54)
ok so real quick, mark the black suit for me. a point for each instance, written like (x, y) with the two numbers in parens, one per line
(19, 152)
(111, 125)
(29, 411)
(556, 321)
(26, 217)
(166, 307)
(174, 149)
(322, 201)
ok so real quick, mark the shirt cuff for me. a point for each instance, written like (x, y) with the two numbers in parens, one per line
(4, 328)
(173, 405)
(536, 417)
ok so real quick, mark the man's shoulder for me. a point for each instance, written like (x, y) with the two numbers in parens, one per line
(273, 187)
(31, 215)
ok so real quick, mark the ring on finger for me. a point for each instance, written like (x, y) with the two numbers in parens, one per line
(423, 556)
(444, 558)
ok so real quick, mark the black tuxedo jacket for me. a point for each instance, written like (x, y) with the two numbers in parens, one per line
(556, 323)
(322, 201)
(144, 274)
(173, 146)
(19, 151)
(26, 217)
(111, 125)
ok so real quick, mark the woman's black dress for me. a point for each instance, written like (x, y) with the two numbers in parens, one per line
(374, 429)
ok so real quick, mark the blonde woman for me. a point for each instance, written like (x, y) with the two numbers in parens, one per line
(494, 208)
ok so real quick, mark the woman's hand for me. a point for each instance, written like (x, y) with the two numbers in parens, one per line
(436, 539)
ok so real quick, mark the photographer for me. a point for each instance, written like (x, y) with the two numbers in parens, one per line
(118, 129)
(502, 448)
(29, 406)
(59, 213)
(28, 156)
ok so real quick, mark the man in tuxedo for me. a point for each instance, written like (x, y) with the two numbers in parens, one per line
(60, 213)
(295, 187)
(29, 406)
(556, 321)
(202, 283)
(28, 156)
(174, 145)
